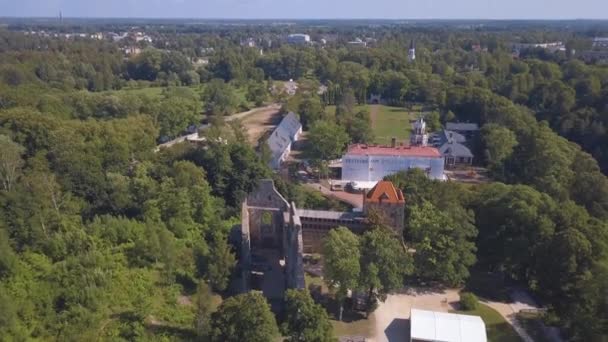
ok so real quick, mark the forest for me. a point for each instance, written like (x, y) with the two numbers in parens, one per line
(101, 237)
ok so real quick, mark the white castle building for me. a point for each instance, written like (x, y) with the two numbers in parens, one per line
(363, 163)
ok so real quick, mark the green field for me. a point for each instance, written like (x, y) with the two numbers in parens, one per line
(392, 122)
(387, 123)
(498, 329)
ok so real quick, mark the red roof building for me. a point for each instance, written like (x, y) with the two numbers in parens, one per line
(385, 192)
(405, 151)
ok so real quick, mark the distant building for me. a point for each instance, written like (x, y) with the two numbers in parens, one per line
(478, 48)
(429, 326)
(372, 163)
(600, 43)
(357, 42)
(551, 46)
(411, 55)
(281, 139)
(200, 61)
(131, 50)
(594, 56)
(291, 87)
(249, 42)
(298, 39)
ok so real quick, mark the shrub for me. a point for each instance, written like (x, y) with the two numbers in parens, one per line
(468, 301)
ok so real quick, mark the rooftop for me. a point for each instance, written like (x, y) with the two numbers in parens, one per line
(402, 151)
(385, 192)
(455, 149)
(462, 126)
(445, 327)
(329, 215)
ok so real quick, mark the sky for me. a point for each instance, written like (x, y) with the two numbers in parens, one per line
(311, 9)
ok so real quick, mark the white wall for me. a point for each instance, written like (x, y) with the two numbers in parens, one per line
(375, 168)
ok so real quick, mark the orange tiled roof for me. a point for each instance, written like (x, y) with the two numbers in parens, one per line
(385, 192)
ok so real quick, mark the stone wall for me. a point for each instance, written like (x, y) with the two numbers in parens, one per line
(245, 259)
(294, 249)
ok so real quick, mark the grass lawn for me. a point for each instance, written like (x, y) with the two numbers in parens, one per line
(387, 122)
(392, 122)
(362, 327)
(497, 328)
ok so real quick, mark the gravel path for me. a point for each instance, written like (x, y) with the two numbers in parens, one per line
(373, 114)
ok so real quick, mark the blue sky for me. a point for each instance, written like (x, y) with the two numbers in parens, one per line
(396, 9)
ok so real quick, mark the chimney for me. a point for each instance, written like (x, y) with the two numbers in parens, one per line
(393, 142)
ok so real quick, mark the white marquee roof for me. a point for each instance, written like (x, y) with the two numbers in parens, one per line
(445, 327)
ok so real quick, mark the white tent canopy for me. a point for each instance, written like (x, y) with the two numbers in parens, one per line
(444, 327)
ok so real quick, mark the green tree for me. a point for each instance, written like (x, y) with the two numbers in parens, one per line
(219, 98)
(327, 140)
(310, 110)
(220, 263)
(203, 306)
(305, 320)
(246, 317)
(10, 161)
(341, 255)
(499, 143)
(384, 264)
(444, 248)
(257, 93)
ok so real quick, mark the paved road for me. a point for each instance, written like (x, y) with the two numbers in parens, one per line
(274, 106)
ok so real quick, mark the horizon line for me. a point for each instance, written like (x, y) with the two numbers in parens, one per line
(303, 19)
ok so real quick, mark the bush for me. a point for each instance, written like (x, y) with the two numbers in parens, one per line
(468, 301)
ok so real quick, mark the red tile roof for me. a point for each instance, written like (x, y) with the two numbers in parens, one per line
(385, 192)
(402, 151)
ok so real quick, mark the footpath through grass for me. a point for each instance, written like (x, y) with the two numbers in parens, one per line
(497, 328)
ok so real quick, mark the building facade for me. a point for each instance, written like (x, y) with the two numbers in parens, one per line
(365, 163)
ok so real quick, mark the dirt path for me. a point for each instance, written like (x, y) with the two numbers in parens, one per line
(261, 121)
(510, 315)
(374, 110)
(262, 111)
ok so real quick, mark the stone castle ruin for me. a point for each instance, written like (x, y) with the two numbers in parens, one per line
(275, 234)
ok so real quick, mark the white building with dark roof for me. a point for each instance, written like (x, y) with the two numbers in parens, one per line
(452, 147)
(430, 326)
(281, 139)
